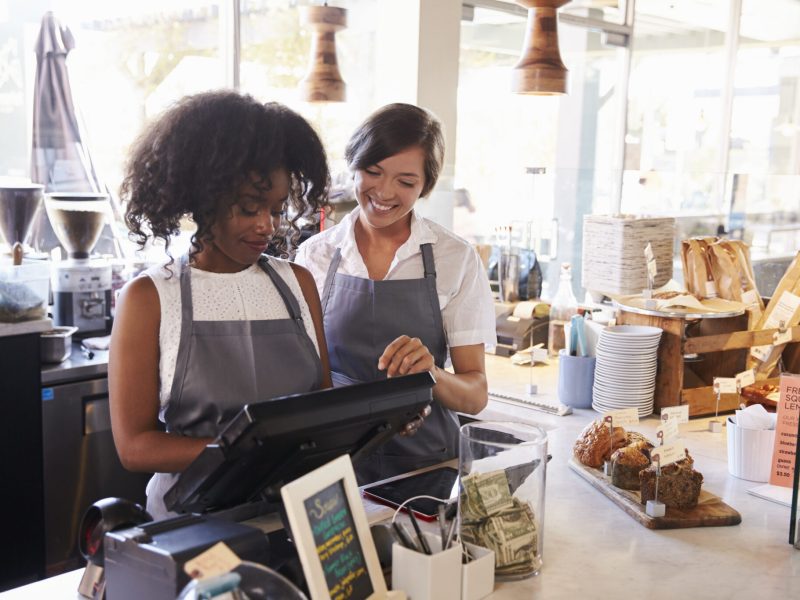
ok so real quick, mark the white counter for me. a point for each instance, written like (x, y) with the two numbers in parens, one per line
(593, 549)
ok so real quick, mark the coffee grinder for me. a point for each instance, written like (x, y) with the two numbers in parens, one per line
(81, 283)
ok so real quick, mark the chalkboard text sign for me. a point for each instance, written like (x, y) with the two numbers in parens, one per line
(332, 535)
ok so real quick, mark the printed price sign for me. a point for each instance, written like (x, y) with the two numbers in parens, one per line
(217, 560)
(746, 378)
(669, 430)
(623, 417)
(725, 385)
(669, 453)
(677, 413)
(784, 452)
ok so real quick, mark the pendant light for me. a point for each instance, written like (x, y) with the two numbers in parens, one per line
(540, 70)
(323, 82)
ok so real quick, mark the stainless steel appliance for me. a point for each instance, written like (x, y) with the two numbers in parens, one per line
(80, 461)
(81, 284)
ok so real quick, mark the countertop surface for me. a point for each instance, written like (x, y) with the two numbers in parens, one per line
(593, 549)
(78, 366)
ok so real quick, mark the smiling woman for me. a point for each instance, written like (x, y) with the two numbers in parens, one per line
(194, 342)
(401, 293)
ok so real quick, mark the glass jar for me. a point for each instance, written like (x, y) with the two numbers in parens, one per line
(502, 467)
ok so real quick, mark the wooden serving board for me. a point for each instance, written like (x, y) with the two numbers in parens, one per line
(710, 511)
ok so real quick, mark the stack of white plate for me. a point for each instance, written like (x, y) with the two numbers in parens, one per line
(625, 373)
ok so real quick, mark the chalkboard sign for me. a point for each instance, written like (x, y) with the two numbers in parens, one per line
(338, 547)
(332, 536)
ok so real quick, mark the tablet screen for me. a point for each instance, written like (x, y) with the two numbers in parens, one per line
(440, 483)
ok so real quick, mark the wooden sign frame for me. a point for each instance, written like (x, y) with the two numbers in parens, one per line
(294, 496)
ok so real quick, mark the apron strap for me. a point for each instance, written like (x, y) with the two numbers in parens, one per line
(187, 318)
(430, 279)
(292, 306)
(329, 277)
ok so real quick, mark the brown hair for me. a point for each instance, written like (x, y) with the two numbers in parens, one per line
(196, 155)
(392, 129)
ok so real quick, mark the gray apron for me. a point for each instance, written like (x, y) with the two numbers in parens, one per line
(361, 317)
(223, 365)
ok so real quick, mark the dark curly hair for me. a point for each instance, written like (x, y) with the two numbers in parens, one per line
(392, 129)
(201, 150)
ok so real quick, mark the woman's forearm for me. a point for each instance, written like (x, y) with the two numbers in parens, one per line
(160, 452)
(465, 392)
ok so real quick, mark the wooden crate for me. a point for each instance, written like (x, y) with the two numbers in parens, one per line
(722, 344)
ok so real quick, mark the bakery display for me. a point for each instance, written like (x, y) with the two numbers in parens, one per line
(678, 485)
(594, 446)
(626, 464)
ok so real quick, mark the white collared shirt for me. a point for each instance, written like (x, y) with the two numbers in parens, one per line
(464, 294)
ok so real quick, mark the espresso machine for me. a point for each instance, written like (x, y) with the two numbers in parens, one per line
(81, 283)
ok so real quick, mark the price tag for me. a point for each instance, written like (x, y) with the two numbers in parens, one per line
(669, 430)
(669, 453)
(725, 385)
(782, 338)
(678, 413)
(746, 378)
(539, 355)
(711, 289)
(651, 268)
(750, 298)
(217, 560)
(623, 417)
(760, 352)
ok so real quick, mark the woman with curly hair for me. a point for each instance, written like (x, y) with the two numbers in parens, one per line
(200, 336)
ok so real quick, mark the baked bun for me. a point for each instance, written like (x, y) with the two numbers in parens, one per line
(594, 446)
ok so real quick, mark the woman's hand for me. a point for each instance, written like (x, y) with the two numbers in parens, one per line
(404, 356)
(413, 426)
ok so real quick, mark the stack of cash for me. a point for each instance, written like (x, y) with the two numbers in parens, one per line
(491, 517)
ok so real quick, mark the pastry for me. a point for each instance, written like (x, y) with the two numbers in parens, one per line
(593, 447)
(765, 394)
(626, 464)
(634, 437)
(678, 486)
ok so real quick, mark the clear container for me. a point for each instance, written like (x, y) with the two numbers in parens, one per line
(563, 306)
(24, 291)
(503, 468)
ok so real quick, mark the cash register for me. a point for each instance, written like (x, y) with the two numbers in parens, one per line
(266, 445)
(520, 325)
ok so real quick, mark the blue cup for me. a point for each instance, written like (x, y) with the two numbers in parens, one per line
(575, 379)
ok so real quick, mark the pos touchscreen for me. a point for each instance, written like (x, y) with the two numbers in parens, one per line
(273, 442)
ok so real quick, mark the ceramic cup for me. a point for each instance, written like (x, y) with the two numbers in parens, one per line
(575, 379)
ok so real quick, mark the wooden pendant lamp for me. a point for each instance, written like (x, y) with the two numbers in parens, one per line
(540, 70)
(323, 82)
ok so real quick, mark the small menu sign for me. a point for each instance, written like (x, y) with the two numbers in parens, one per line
(668, 453)
(676, 413)
(669, 430)
(784, 453)
(623, 417)
(337, 544)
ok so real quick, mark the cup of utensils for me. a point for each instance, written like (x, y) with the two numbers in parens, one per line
(425, 565)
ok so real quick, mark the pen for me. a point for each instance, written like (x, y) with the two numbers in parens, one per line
(421, 538)
(449, 535)
(442, 524)
(403, 537)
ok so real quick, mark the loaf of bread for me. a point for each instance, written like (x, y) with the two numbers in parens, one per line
(594, 446)
(678, 486)
(626, 464)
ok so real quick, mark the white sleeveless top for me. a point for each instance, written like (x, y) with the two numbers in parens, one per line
(246, 295)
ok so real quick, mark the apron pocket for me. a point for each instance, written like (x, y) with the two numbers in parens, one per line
(341, 380)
